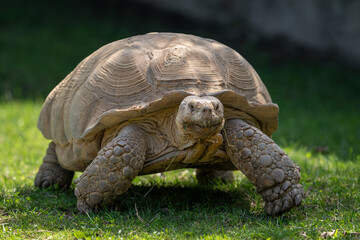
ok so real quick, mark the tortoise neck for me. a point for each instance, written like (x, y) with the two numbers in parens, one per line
(176, 134)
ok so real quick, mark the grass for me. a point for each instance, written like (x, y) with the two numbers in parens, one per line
(319, 129)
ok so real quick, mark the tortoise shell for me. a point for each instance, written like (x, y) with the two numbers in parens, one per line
(148, 73)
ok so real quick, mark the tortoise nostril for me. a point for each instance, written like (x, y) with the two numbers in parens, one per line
(206, 110)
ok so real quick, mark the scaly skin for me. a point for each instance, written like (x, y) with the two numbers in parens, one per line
(51, 173)
(265, 164)
(112, 171)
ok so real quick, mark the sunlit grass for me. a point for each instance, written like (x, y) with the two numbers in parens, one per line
(21, 144)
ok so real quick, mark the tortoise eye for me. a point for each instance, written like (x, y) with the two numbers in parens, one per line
(191, 106)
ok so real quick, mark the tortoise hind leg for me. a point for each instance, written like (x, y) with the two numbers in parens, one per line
(112, 171)
(209, 176)
(265, 164)
(51, 173)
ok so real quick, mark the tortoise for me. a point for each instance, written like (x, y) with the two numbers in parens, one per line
(159, 102)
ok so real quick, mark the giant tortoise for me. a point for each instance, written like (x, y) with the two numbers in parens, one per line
(159, 102)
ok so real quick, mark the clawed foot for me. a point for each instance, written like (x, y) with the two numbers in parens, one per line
(84, 207)
(285, 201)
(267, 166)
(51, 174)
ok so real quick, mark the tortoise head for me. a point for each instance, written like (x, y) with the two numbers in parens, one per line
(200, 117)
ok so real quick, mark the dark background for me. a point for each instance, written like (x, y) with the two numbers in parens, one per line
(42, 41)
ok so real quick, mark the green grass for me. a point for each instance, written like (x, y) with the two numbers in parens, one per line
(319, 128)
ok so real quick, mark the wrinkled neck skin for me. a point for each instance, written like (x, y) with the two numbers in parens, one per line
(180, 139)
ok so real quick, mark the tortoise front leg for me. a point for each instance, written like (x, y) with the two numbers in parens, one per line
(265, 164)
(112, 171)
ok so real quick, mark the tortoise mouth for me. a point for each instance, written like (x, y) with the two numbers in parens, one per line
(201, 130)
(190, 125)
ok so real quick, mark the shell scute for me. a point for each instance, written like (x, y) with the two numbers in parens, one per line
(180, 67)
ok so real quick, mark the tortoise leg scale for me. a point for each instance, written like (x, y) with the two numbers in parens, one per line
(51, 173)
(112, 171)
(265, 164)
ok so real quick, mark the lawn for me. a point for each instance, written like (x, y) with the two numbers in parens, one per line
(319, 128)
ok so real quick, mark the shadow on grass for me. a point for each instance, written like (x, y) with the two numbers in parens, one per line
(188, 211)
(177, 197)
